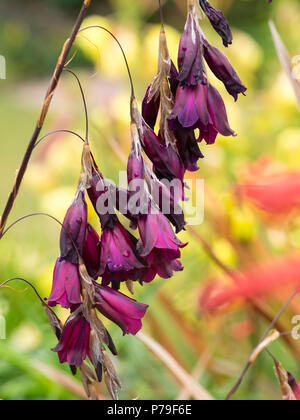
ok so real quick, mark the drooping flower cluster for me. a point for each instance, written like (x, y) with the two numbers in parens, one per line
(91, 270)
(115, 258)
(83, 259)
(186, 98)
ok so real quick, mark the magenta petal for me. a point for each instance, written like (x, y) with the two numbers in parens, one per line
(73, 346)
(66, 285)
(217, 111)
(156, 232)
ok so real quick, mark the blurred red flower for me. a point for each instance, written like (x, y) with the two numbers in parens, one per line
(262, 280)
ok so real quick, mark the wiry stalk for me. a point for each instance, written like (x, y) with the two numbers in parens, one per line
(84, 104)
(132, 96)
(50, 92)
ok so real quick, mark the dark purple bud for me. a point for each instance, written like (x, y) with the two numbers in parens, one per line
(200, 107)
(190, 54)
(223, 70)
(99, 187)
(66, 285)
(55, 323)
(74, 227)
(73, 347)
(150, 109)
(218, 22)
(91, 252)
(122, 310)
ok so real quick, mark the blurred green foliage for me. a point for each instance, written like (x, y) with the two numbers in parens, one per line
(267, 122)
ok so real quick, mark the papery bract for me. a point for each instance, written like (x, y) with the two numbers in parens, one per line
(167, 164)
(188, 148)
(91, 251)
(74, 228)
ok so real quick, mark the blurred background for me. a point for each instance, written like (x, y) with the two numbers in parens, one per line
(240, 231)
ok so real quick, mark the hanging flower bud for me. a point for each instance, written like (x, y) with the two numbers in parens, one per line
(91, 251)
(190, 53)
(223, 70)
(66, 285)
(73, 347)
(167, 201)
(122, 310)
(218, 22)
(74, 228)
